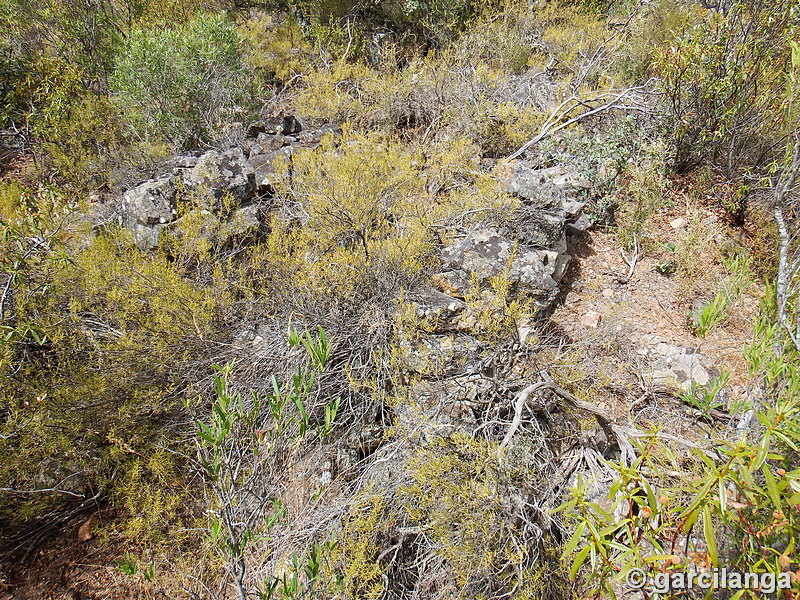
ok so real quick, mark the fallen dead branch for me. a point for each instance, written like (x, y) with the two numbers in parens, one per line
(627, 99)
(614, 431)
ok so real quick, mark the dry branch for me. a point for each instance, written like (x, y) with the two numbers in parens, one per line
(611, 99)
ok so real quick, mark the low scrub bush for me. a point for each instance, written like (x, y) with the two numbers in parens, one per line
(497, 93)
(458, 496)
(91, 149)
(573, 40)
(346, 26)
(183, 84)
(644, 192)
(366, 206)
(725, 80)
(98, 339)
(274, 48)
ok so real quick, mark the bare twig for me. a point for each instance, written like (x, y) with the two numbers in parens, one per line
(42, 491)
(610, 100)
(519, 405)
(785, 286)
(631, 262)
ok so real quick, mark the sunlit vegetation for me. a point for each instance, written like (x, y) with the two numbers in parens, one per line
(267, 412)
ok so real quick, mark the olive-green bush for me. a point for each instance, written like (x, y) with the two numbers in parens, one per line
(183, 84)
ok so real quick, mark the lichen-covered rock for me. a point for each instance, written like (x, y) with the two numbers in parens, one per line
(219, 173)
(485, 253)
(555, 264)
(150, 203)
(266, 143)
(453, 283)
(245, 220)
(312, 138)
(437, 311)
(540, 229)
(675, 366)
(264, 167)
(147, 208)
(439, 355)
(286, 125)
(554, 198)
(545, 188)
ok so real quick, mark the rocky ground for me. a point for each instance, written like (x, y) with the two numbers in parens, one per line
(616, 322)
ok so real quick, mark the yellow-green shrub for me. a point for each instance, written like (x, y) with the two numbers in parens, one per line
(152, 493)
(354, 92)
(358, 203)
(122, 331)
(48, 90)
(456, 498)
(274, 47)
(355, 194)
(503, 127)
(572, 38)
(643, 194)
(90, 149)
(650, 30)
(495, 309)
(354, 559)
(366, 210)
(160, 13)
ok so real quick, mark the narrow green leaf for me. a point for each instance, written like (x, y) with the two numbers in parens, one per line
(613, 527)
(708, 532)
(574, 540)
(772, 487)
(578, 562)
(746, 475)
(700, 498)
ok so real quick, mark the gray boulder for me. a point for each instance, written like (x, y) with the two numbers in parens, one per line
(437, 311)
(265, 173)
(266, 143)
(148, 208)
(539, 228)
(146, 237)
(312, 138)
(150, 203)
(555, 264)
(438, 355)
(554, 200)
(286, 125)
(485, 253)
(186, 161)
(547, 188)
(218, 173)
(675, 366)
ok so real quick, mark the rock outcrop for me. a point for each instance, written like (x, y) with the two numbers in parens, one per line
(675, 366)
(217, 174)
(531, 252)
(484, 253)
(551, 188)
(148, 208)
(234, 181)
